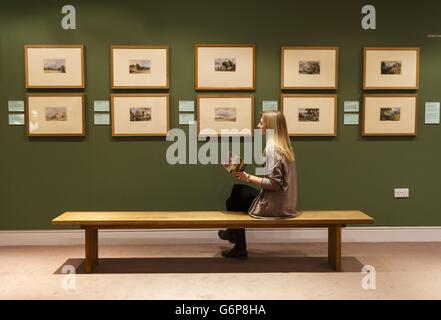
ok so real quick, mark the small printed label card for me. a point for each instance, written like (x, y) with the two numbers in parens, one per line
(186, 106)
(432, 113)
(16, 119)
(270, 105)
(101, 119)
(351, 106)
(101, 106)
(351, 119)
(16, 106)
(186, 118)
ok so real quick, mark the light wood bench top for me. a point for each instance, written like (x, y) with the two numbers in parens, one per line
(207, 219)
(91, 222)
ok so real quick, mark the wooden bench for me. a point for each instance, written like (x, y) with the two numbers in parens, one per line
(91, 222)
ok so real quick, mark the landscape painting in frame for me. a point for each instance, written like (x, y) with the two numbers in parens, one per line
(309, 68)
(139, 67)
(225, 115)
(54, 66)
(225, 67)
(391, 68)
(140, 114)
(310, 114)
(55, 114)
(390, 114)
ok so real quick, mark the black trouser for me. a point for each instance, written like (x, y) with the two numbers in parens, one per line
(241, 199)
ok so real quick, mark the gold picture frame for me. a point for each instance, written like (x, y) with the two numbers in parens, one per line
(137, 113)
(386, 68)
(390, 115)
(139, 67)
(217, 113)
(54, 66)
(62, 114)
(225, 67)
(309, 68)
(313, 115)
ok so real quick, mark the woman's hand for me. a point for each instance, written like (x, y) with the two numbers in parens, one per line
(243, 176)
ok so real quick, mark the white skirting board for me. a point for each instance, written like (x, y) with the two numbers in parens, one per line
(209, 236)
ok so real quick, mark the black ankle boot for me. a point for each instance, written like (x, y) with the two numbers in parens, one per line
(228, 234)
(239, 251)
(236, 252)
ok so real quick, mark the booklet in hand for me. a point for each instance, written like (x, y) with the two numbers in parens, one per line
(235, 164)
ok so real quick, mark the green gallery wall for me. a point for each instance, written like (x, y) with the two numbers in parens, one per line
(42, 177)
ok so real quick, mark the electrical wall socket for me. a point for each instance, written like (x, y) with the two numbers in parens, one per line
(401, 192)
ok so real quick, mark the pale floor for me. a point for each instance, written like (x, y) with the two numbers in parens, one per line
(273, 271)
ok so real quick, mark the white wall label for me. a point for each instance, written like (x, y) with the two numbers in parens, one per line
(16, 106)
(186, 118)
(351, 119)
(101, 106)
(351, 106)
(432, 113)
(101, 119)
(16, 119)
(270, 105)
(186, 106)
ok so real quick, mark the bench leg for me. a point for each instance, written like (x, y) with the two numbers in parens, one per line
(334, 247)
(91, 249)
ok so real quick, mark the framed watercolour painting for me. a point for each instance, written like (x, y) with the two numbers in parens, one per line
(309, 68)
(55, 114)
(139, 67)
(225, 67)
(310, 114)
(54, 66)
(140, 114)
(225, 115)
(391, 68)
(390, 114)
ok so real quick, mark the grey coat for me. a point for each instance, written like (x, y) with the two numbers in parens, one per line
(278, 195)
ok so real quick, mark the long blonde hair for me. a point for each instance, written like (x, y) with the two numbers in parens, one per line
(275, 120)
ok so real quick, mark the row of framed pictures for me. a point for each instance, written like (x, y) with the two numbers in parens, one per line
(220, 67)
(148, 114)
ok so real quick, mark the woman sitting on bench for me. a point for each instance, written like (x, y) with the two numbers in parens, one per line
(277, 197)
